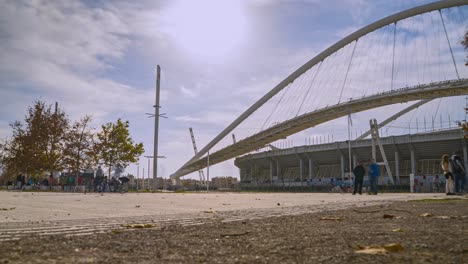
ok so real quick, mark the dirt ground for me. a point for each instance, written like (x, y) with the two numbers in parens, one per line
(423, 231)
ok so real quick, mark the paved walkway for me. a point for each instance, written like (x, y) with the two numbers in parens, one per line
(47, 213)
(46, 206)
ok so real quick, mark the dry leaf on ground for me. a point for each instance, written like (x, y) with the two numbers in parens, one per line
(393, 247)
(426, 215)
(444, 217)
(390, 216)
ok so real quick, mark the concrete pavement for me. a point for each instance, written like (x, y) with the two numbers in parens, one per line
(51, 206)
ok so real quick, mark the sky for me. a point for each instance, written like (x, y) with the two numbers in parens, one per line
(217, 59)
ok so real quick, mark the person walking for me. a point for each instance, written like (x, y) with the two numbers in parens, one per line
(458, 171)
(98, 180)
(358, 172)
(374, 174)
(445, 164)
(23, 182)
(19, 182)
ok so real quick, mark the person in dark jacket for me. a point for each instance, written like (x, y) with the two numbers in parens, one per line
(358, 172)
(458, 171)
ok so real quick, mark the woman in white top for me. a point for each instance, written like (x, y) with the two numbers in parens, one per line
(449, 183)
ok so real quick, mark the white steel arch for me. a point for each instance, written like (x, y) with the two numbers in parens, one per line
(291, 126)
(308, 65)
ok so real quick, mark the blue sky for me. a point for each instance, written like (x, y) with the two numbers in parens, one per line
(99, 58)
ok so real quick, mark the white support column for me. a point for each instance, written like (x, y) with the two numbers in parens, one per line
(278, 169)
(271, 171)
(465, 159)
(374, 155)
(397, 167)
(208, 171)
(301, 169)
(252, 172)
(355, 161)
(376, 139)
(342, 159)
(311, 169)
(413, 161)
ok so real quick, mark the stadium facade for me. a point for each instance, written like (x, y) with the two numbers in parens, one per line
(327, 164)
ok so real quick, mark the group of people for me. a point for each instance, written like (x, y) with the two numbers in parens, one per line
(453, 168)
(454, 172)
(68, 182)
(102, 184)
(21, 181)
(359, 171)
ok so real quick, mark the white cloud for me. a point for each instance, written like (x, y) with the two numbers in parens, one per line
(217, 118)
(62, 51)
(188, 92)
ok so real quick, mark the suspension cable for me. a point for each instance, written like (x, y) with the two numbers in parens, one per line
(450, 46)
(347, 70)
(393, 55)
(276, 106)
(308, 90)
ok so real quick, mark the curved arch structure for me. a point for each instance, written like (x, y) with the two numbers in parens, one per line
(291, 126)
(258, 140)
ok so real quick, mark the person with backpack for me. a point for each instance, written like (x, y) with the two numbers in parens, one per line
(449, 181)
(458, 171)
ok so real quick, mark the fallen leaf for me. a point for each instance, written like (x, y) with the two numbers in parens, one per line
(443, 217)
(426, 215)
(371, 250)
(393, 247)
(397, 230)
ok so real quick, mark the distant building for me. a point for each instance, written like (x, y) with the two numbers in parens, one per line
(227, 182)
